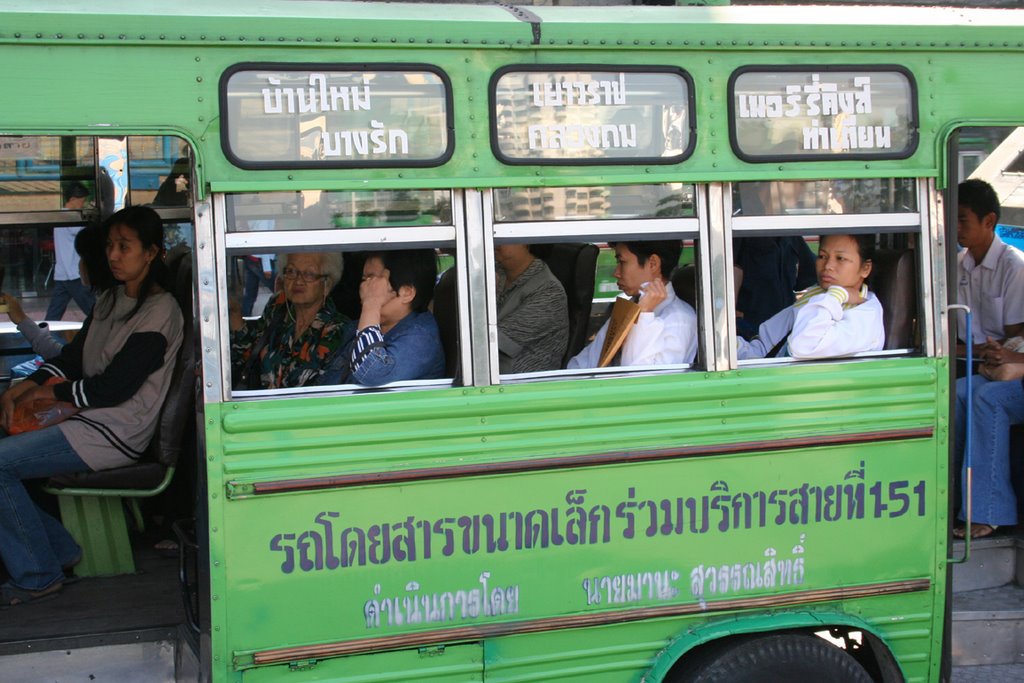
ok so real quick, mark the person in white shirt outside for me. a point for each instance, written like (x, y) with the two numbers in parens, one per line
(665, 333)
(990, 273)
(67, 284)
(839, 317)
(991, 282)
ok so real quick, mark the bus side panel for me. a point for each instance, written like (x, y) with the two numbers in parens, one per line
(697, 496)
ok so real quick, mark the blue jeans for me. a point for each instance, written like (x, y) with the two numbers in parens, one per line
(34, 546)
(253, 277)
(63, 292)
(997, 405)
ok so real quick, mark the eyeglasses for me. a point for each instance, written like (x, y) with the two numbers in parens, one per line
(290, 273)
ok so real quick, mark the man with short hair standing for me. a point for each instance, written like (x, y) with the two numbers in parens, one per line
(67, 281)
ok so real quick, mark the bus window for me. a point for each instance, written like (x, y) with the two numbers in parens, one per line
(784, 275)
(564, 255)
(51, 187)
(824, 197)
(312, 290)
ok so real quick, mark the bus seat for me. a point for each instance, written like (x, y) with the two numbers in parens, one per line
(684, 282)
(92, 503)
(893, 280)
(445, 307)
(574, 263)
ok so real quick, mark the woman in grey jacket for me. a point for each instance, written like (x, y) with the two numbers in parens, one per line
(116, 373)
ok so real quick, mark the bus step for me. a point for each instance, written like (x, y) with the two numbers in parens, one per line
(146, 656)
(988, 603)
(988, 626)
(993, 562)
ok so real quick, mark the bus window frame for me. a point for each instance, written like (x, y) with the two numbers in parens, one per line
(691, 99)
(231, 244)
(695, 227)
(915, 223)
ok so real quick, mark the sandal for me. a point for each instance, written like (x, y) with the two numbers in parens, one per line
(11, 595)
(167, 548)
(977, 531)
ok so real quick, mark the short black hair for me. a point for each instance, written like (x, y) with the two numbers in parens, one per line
(979, 197)
(75, 190)
(91, 245)
(865, 244)
(668, 251)
(416, 268)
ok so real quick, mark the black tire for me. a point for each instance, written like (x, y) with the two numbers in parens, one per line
(774, 659)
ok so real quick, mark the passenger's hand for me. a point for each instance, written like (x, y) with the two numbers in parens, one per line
(994, 353)
(14, 310)
(10, 399)
(653, 293)
(375, 291)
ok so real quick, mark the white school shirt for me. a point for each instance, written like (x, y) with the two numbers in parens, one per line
(65, 256)
(820, 328)
(994, 290)
(665, 336)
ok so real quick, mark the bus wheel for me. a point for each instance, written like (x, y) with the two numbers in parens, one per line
(773, 659)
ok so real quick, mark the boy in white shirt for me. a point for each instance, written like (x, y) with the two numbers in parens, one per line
(666, 331)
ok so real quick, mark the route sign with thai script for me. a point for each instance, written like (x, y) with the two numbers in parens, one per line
(332, 116)
(591, 114)
(858, 112)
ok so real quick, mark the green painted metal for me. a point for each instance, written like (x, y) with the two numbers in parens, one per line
(379, 534)
(957, 67)
(565, 609)
(98, 525)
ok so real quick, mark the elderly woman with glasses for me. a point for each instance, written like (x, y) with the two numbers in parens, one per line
(299, 331)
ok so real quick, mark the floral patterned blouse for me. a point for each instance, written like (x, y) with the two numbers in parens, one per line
(284, 360)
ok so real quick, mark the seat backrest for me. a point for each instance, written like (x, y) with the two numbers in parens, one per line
(574, 264)
(179, 406)
(684, 282)
(445, 308)
(894, 281)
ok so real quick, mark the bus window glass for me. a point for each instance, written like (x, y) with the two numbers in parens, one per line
(594, 277)
(52, 186)
(826, 113)
(31, 168)
(823, 296)
(275, 117)
(820, 197)
(322, 210)
(559, 305)
(624, 115)
(321, 316)
(521, 204)
(167, 187)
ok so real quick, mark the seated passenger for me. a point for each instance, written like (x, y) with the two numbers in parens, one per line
(996, 406)
(666, 331)
(533, 312)
(839, 317)
(396, 337)
(299, 331)
(117, 370)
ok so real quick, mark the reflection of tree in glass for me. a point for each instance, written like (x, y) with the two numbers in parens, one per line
(402, 208)
(674, 205)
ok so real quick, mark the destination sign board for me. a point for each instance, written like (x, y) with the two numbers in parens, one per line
(591, 114)
(778, 113)
(331, 116)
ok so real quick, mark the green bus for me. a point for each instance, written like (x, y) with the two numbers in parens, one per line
(665, 522)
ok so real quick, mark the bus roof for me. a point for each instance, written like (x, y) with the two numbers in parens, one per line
(234, 21)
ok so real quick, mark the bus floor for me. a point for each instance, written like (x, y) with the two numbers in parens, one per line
(101, 609)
